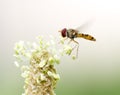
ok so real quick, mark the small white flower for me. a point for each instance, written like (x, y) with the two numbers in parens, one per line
(51, 60)
(28, 55)
(49, 73)
(43, 77)
(19, 47)
(42, 63)
(25, 74)
(40, 39)
(35, 46)
(57, 59)
(73, 57)
(56, 76)
(16, 64)
(67, 49)
(38, 80)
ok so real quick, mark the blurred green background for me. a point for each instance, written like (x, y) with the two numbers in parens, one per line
(95, 72)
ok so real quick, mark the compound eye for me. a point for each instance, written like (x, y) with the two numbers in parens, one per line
(63, 32)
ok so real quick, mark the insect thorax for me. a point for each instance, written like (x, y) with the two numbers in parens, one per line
(71, 33)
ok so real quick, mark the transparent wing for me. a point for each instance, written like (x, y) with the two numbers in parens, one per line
(85, 26)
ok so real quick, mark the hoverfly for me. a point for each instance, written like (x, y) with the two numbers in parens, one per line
(75, 33)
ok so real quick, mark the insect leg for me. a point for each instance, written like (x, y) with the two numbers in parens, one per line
(70, 41)
(77, 47)
(74, 46)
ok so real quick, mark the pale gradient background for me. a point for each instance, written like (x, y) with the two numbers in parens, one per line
(96, 72)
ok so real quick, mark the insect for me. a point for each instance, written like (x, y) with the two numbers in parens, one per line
(75, 33)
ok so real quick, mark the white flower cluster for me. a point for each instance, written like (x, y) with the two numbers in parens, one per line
(39, 72)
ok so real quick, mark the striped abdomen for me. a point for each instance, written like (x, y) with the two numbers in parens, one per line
(86, 36)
